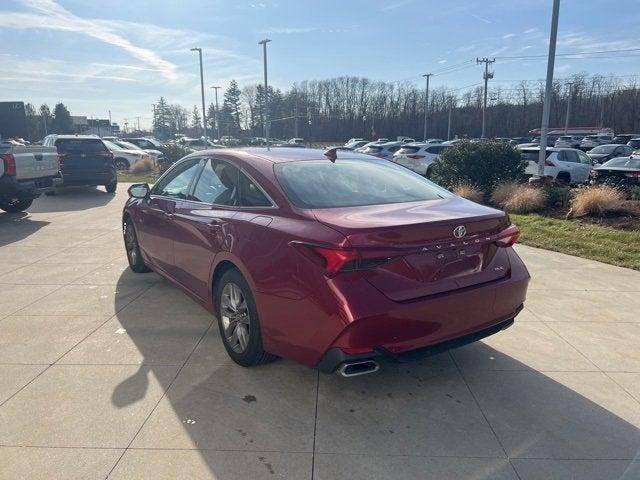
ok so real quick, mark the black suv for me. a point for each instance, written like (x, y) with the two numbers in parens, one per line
(84, 160)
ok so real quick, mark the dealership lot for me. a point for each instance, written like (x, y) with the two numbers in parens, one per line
(107, 373)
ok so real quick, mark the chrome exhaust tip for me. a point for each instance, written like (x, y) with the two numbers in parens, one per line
(353, 369)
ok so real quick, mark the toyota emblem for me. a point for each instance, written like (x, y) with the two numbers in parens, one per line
(460, 231)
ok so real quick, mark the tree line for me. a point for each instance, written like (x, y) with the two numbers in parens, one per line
(337, 108)
(43, 121)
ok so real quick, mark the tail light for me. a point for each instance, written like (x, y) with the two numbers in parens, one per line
(416, 157)
(336, 260)
(595, 173)
(508, 237)
(61, 160)
(9, 164)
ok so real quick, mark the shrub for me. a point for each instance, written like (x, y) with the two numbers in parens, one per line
(634, 193)
(468, 191)
(502, 192)
(142, 166)
(174, 152)
(557, 196)
(597, 200)
(525, 199)
(483, 164)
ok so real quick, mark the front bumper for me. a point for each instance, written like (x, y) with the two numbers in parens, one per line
(336, 357)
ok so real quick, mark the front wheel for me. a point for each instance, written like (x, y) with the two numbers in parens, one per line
(136, 263)
(238, 321)
(14, 205)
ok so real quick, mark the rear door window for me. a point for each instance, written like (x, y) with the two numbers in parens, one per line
(218, 184)
(251, 195)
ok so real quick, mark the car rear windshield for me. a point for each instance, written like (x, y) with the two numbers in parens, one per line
(532, 155)
(408, 150)
(85, 145)
(604, 149)
(353, 183)
(625, 162)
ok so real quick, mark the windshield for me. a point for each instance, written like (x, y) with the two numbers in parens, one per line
(604, 149)
(128, 146)
(352, 183)
(624, 162)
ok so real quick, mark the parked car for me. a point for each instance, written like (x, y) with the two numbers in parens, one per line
(296, 141)
(383, 150)
(365, 146)
(229, 141)
(568, 165)
(618, 172)
(551, 140)
(333, 264)
(25, 173)
(568, 141)
(624, 137)
(634, 143)
(353, 140)
(125, 158)
(519, 140)
(419, 156)
(84, 160)
(196, 144)
(356, 144)
(405, 139)
(592, 141)
(146, 143)
(603, 153)
(156, 154)
(434, 140)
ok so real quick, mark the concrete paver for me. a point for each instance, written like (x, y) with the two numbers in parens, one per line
(109, 374)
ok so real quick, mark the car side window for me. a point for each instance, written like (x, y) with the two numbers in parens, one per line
(218, 184)
(176, 183)
(251, 195)
(570, 156)
(584, 158)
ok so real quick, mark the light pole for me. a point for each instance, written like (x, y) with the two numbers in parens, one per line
(546, 104)
(566, 120)
(266, 102)
(449, 123)
(426, 105)
(216, 119)
(204, 113)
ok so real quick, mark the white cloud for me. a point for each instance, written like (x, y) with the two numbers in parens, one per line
(442, 61)
(394, 6)
(289, 30)
(508, 35)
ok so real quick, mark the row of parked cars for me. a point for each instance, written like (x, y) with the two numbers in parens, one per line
(612, 163)
(27, 171)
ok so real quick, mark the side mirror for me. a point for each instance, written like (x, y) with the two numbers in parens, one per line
(139, 190)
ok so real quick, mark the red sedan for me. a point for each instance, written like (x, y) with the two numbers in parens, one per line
(331, 262)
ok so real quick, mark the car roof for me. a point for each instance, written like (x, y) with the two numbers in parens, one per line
(260, 155)
(64, 137)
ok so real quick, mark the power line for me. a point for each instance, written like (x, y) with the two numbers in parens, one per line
(596, 52)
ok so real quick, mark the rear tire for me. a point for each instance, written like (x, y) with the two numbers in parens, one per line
(15, 205)
(121, 164)
(564, 178)
(111, 187)
(136, 262)
(238, 321)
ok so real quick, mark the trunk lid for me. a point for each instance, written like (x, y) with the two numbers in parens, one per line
(426, 256)
(84, 156)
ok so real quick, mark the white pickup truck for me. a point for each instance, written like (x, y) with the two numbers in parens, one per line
(25, 173)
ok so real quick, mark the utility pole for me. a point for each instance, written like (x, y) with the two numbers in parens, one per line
(566, 120)
(449, 123)
(426, 105)
(487, 76)
(546, 104)
(216, 119)
(138, 121)
(266, 90)
(295, 120)
(204, 113)
(110, 125)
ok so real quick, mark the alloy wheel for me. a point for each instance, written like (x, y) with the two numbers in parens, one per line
(130, 243)
(235, 317)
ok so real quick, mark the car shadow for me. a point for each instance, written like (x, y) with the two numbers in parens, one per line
(532, 414)
(72, 199)
(18, 226)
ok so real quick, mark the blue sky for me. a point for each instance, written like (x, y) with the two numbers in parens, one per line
(122, 55)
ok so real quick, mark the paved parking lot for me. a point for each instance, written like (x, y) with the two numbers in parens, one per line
(109, 374)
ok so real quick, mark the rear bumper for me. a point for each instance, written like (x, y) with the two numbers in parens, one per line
(336, 357)
(88, 178)
(10, 186)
